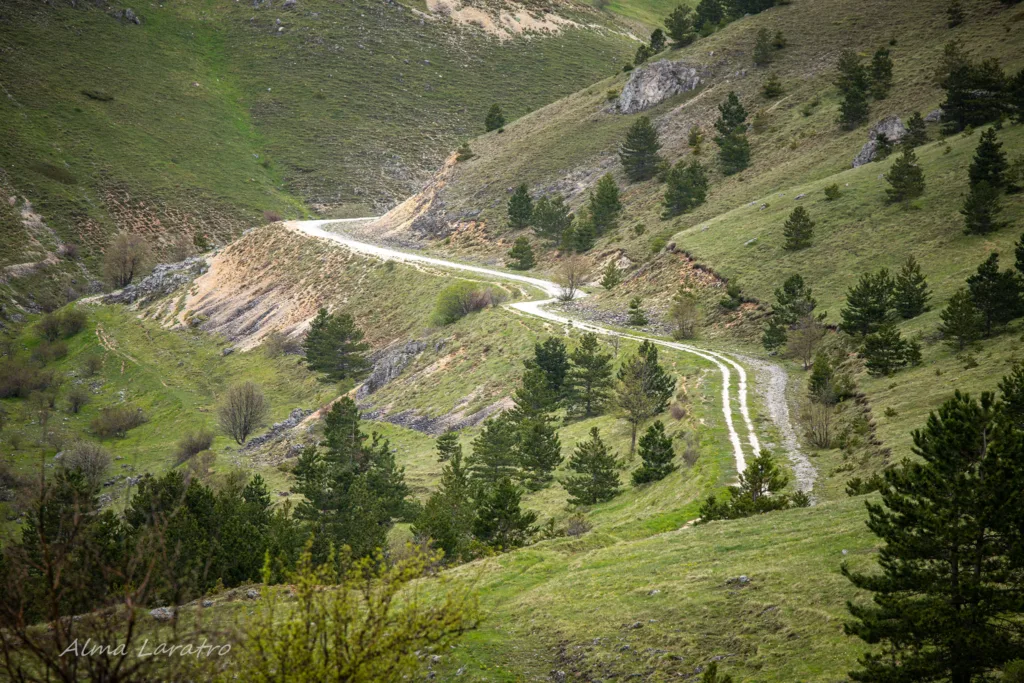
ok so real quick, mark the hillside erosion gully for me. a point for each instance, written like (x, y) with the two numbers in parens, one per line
(773, 391)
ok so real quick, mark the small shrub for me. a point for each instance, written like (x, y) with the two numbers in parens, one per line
(832, 192)
(890, 412)
(93, 364)
(49, 327)
(88, 458)
(658, 243)
(639, 229)
(47, 352)
(691, 450)
(677, 411)
(861, 487)
(116, 421)
(577, 525)
(818, 418)
(77, 397)
(271, 216)
(69, 251)
(18, 379)
(279, 344)
(458, 300)
(72, 322)
(611, 94)
(192, 444)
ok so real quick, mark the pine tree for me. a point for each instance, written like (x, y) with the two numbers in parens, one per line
(773, 336)
(917, 133)
(493, 457)
(590, 377)
(709, 14)
(605, 205)
(733, 147)
(335, 348)
(680, 26)
(793, 301)
(656, 454)
(911, 290)
(645, 388)
(538, 451)
(596, 469)
(881, 74)
(944, 593)
(975, 92)
(1011, 395)
(694, 139)
(995, 294)
(639, 153)
(500, 520)
(961, 322)
(534, 396)
(583, 234)
(551, 217)
(683, 313)
(612, 276)
(643, 53)
(759, 491)
(981, 210)
(551, 357)
(637, 317)
(869, 304)
(520, 256)
(853, 84)
(798, 230)
(464, 152)
(447, 517)
(495, 119)
(954, 14)
(989, 164)
(686, 187)
(885, 351)
(764, 52)
(772, 87)
(520, 208)
(657, 41)
(905, 178)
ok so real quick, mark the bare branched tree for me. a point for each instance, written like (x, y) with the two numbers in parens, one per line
(243, 411)
(88, 458)
(803, 341)
(125, 257)
(571, 274)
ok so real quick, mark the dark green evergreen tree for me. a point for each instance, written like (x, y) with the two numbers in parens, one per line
(911, 290)
(954, 14)
(590, 377)
(917, 133)
(657, 41)
(995, 294)
(945, 593)
(448, 515)
(583, 233)
(686, 187)
(764, 51)
(885, 351)
(798, 230)
(534, 396)
(656, 453)
(881, 74)
(520, 208)
(772, 87)
(539, 451)
(733, 147)
(981, 210)
(645, 388)
(759, 491)
(611, 277)
(553, 360)
(793, 301)
(905, 177)
(975, 92)
(1011, 396)
(636, 316)
(596, 472)
(853, 84)
(494, 456)
(495, 119)
(551, 217)
(774, 335)
(334, 347)
(500, 521)
(680, 26)
(639, 153)
(989, 164)
(709, 14)
(605, 205)
(643, 53)
(520, 256)
(961, 322)
(869, 304)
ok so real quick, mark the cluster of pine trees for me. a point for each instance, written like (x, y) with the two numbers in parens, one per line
(553, 220)
(991, 299)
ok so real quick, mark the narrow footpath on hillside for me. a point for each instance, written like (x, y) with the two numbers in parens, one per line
(772, 384)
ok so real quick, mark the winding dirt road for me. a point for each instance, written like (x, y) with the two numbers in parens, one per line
(727, 366)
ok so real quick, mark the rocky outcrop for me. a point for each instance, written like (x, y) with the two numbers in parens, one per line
(654, 83)
(390, 365)
(893, 130)
(435, 426)
(165, 278)
(277, 430)
(933, 116)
